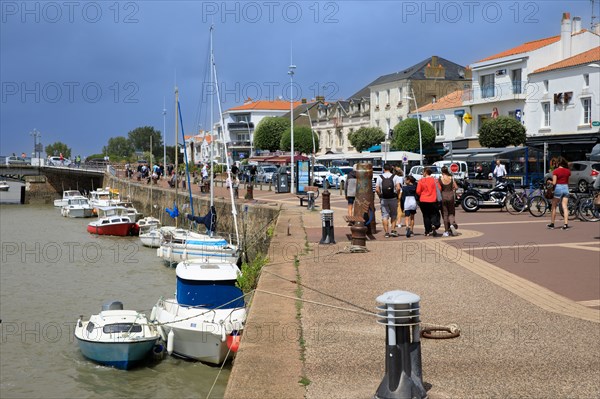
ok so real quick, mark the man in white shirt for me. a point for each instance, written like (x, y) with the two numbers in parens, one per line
(499, 172)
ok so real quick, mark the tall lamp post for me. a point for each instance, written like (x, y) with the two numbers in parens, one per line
(418, 124)
(312, 162)
(291, 69)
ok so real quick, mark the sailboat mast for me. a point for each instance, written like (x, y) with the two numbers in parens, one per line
(176, 154)
(225, 153)
(212, 135)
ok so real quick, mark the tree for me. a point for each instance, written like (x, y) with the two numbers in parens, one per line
(267, 135)
(366, 137)
(119, 146)
(171, 155)
(406, 135)
(303, 141)
(140, 140)
(55, 149)
(502, 132)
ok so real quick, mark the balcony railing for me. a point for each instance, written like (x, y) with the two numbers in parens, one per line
(240, 125)
(498, 92)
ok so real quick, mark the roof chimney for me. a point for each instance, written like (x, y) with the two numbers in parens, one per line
(576, 25)
(565, 35)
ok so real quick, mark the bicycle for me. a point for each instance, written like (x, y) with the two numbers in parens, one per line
(586, 209)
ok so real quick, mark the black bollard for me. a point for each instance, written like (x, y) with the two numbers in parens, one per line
(403, 374)
(328, 236)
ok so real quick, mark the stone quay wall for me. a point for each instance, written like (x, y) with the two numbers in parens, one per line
(254, 219)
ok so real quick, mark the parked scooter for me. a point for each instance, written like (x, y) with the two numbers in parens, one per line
(472, 198)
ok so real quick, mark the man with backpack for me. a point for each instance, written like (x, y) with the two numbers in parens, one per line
(388, 186)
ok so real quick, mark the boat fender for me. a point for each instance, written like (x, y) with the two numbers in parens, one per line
(170, 341)
(233, 341)
(158, 352)
(161, 331)
(223, 335)
(153, 314)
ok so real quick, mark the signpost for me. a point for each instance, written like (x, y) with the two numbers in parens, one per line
(596, 123)
(467, 118)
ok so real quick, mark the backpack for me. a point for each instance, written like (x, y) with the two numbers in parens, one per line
(387, 187)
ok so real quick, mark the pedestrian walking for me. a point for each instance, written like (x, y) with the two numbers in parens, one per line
(350, 190)
(387, 188)
(448, 187)
(427, 190)
(560, 181)
(398, 172)
(62, 159)
(499, 172)
(409, 201)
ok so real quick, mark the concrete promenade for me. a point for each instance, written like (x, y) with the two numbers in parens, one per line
(525, 298)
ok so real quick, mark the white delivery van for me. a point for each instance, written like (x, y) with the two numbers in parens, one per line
(463, 171)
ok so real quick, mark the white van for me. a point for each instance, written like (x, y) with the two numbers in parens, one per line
(463, 171)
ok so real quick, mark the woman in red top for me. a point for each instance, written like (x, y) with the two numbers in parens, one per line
(560, 180)
(427, 192)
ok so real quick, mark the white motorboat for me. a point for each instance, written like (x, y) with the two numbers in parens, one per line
(180, 245)
(67, 195)
(78, 207)
(149, 231)
(130, 210)
(4, 185)
(103, 198)
(207, 313)
(116, 337)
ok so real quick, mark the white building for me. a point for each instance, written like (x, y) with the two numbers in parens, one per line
(241, 121)
(501, 82)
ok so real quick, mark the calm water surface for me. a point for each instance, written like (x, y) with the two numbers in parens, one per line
(51, 272)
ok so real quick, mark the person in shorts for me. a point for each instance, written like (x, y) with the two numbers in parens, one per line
(560, 180)
(350, 190)
(409, 201)
(387, 187)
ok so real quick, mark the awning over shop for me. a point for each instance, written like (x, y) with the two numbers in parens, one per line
(564, 139)
(481, 154)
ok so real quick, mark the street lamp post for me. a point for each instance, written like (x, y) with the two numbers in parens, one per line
(418, 124)
(164, 133)
(291, 69)
(312, 134)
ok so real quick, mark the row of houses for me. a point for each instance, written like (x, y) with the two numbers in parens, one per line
(551, 85)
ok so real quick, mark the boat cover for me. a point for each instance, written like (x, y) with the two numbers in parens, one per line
(209, 294)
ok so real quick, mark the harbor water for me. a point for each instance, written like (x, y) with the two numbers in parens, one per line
(52, 271)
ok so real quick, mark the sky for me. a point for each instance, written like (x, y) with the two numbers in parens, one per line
(81, 72)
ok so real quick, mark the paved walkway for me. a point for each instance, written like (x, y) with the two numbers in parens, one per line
(523, 334)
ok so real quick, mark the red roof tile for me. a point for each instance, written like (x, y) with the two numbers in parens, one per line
(587, 57)
(524, 48)
(451, 100)
(278, 105)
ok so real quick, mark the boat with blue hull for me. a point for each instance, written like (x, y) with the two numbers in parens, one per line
(116, 337)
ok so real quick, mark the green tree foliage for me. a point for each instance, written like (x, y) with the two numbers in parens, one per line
(406, 135)
(119, 146)
(302, 140)
(366, 137)
(56, 148)
(267, 135)
(171, 155)
(502, 132)
(140, 140)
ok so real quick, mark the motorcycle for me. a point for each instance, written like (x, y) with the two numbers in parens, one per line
(472, 198)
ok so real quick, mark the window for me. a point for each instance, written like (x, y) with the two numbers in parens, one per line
(586, 80)
(121, 328)
(516, 81)
(377, 122)
(545, 86)
(388, 96)
(487, 86)
(546, 117)
(438, 126)
(400, 96)
(388, 123)
(459, 119)
(377, 99)
(587, 110)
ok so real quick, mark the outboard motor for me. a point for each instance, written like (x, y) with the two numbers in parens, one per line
(112, 305)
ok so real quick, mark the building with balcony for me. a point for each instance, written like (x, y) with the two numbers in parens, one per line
(240, 123)
(501, 82)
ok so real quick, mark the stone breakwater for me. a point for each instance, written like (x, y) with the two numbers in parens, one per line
(254, 219)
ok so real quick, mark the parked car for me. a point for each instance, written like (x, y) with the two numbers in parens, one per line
(463, 170)
(320, 171)
(55, 161)
(417, 171)
(265, 172)
(583, 175)
(97, 162)
(14, 160)
(336, 175)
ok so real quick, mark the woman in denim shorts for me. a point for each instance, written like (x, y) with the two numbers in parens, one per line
(560, 180)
